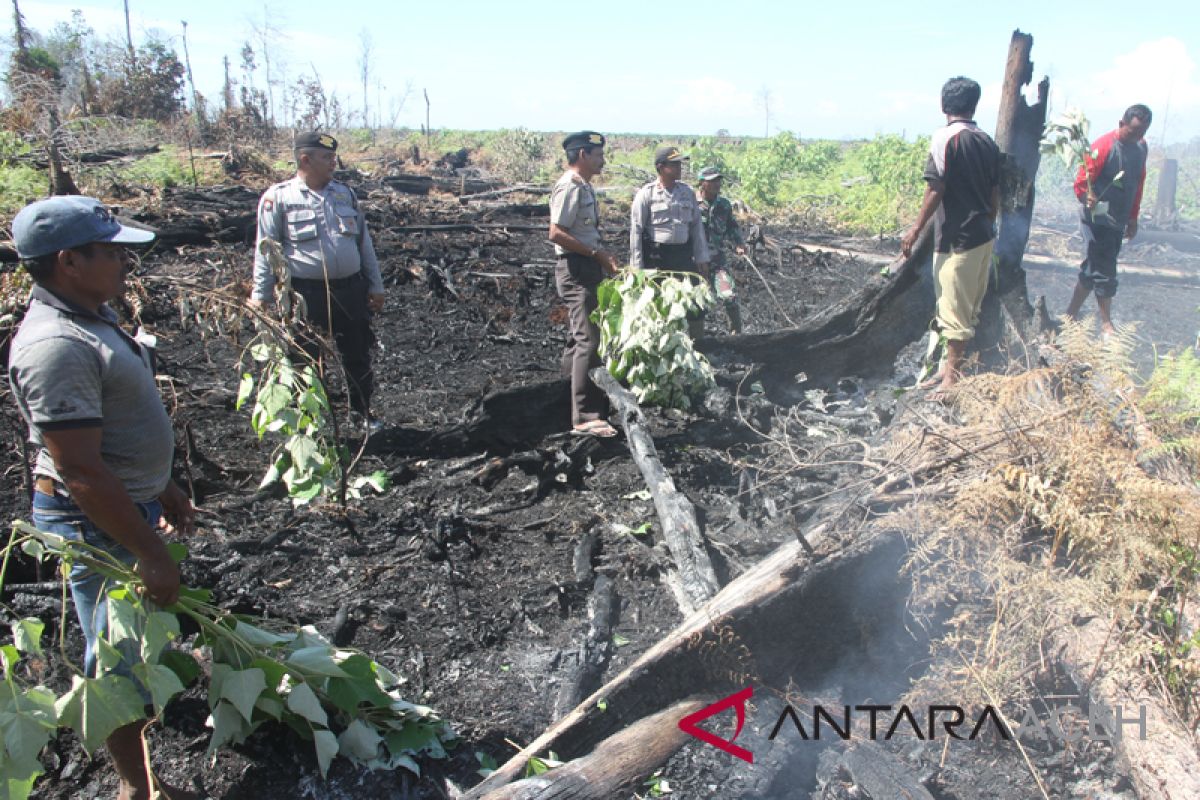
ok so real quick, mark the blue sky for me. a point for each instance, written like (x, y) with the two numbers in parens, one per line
(830, 70)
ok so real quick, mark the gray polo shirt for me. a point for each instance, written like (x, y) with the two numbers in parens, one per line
(323, 234)
(573, 208)
(666, 217)
(70, 368)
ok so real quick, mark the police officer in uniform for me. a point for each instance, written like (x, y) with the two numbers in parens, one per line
(582, 264)
(666, 228)
(324, 238)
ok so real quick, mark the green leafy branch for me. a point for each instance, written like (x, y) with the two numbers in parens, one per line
(1067, 138)
(337, 698)
(644, 341)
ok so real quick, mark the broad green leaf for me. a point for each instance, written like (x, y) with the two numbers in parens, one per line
(160, 680)
(360, 686)
(303, 701)
(124, 619)
(34, 549)
(177, 551)
(413, 738)
(316, 661)
(12, 785)
(274, 672)
(11, 656)
(270, 706)
(242, 687)
(263, 351)
(107, 656)
(198, 595)
(245, 387)
(327, 747)
(304, 450)
(228, 726)
(27, 635)
(161, 628)
(359, 741)
(95, 707)
(258, 636)
(273, 398)
(184, 666)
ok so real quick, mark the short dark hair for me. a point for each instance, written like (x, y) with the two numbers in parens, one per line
(1140, 111)
(960, 96)
(574, 153)
(41, 269)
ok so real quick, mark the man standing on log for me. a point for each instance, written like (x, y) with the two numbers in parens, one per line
(582, 264)
(323, 233)
(666, 230)
(104, 441)
(1114, 173)
(962, 187)
(721, 228)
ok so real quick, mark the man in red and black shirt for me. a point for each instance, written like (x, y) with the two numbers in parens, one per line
(1109, 185)
(962, 187)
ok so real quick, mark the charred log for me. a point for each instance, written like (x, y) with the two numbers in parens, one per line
(676, 513)
(860, 336)
(783, 606)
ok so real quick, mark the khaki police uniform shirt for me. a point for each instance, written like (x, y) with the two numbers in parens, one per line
(573, 208)
(323, 234)
(666, 218)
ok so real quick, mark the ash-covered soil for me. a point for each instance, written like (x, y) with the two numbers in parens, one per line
(462, 581)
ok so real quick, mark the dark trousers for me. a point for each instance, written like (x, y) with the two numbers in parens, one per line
(342, 310)
(678, 258)
(1101, 246)
(576, 278)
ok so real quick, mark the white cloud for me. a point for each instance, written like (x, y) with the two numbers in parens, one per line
(1161, 73)
(714, 97)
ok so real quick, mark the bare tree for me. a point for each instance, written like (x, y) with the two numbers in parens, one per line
(396, 104)
(21, 34)
(128, 33)
(763, 98)
(227, 88)
(268, 34)
(364, 69)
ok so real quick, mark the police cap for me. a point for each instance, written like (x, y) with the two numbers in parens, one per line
(583, 139)
(668, 153)
(322, 141)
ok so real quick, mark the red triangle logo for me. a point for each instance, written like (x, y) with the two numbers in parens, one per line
(737, 701)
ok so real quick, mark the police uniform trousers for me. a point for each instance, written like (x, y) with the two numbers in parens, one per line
(576, 278)
(678, 258)
(343, 310)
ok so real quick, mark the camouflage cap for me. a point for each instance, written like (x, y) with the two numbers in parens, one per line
(668, 153)
(709, 174)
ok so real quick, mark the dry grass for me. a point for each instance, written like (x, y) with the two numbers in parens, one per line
(1054, 513)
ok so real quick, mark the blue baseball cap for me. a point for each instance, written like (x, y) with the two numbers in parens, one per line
(61, 223)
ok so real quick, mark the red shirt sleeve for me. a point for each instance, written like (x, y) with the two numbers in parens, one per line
(1093, 162)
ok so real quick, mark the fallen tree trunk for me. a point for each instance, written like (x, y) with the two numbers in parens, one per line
(784, 618)
(616, 765)
(861, 336)
(1164, 765)
(676, 513)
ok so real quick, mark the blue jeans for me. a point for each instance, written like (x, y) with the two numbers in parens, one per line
(89, 590)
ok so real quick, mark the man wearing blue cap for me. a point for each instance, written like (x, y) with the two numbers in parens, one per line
(583, 262)
(104, 441)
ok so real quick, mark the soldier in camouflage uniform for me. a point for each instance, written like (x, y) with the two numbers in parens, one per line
(721, 230)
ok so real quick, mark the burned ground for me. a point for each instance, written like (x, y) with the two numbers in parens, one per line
(463, 577)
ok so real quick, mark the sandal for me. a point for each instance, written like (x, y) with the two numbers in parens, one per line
(595, 427)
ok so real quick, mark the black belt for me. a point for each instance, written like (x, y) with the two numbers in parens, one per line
(321, 283)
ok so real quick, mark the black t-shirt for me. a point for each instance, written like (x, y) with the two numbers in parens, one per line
(967, 162)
